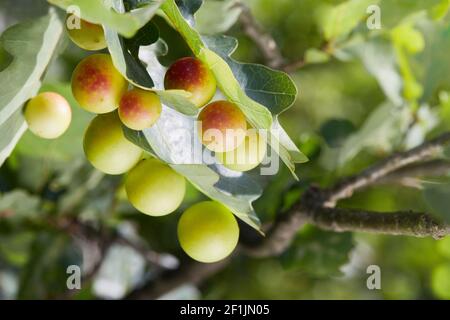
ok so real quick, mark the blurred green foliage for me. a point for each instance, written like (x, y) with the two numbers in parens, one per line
(354, 81)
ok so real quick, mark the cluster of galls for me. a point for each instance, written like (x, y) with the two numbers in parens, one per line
(207, 231)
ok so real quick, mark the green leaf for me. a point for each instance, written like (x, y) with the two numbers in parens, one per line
(319, 253)
(18, 204)
(32, 45)
(382, 130)
(433, 60)
(285, 147)
(125, 60)
(217, 16)
(100, 12)
(437, 196)
(135, 4)
(394, 12)
(379, 58)
(272, 88)
(10, 133)
(258, 115)
(188, 8)
(139, 139)
(337, 21)
(408, 37)
(408, 41)
(5, 59)
(440, 10)
(147, 35)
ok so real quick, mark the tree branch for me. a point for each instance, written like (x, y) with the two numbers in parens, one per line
(267, 45)
(404, 223)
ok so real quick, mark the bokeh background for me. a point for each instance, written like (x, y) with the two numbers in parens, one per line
(362, 94)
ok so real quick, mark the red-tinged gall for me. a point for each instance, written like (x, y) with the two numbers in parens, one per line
(193, 76)
(139, 109)
(97, 85)
(222, 126)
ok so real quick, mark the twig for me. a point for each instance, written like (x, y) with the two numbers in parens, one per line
(347, 187)
(267, 45)
(404, 176)
(263, 40)
(294, 66)
(405, 223)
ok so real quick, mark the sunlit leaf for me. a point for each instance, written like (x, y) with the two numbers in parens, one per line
(217, 16)
(339, 20)
(100, 12)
